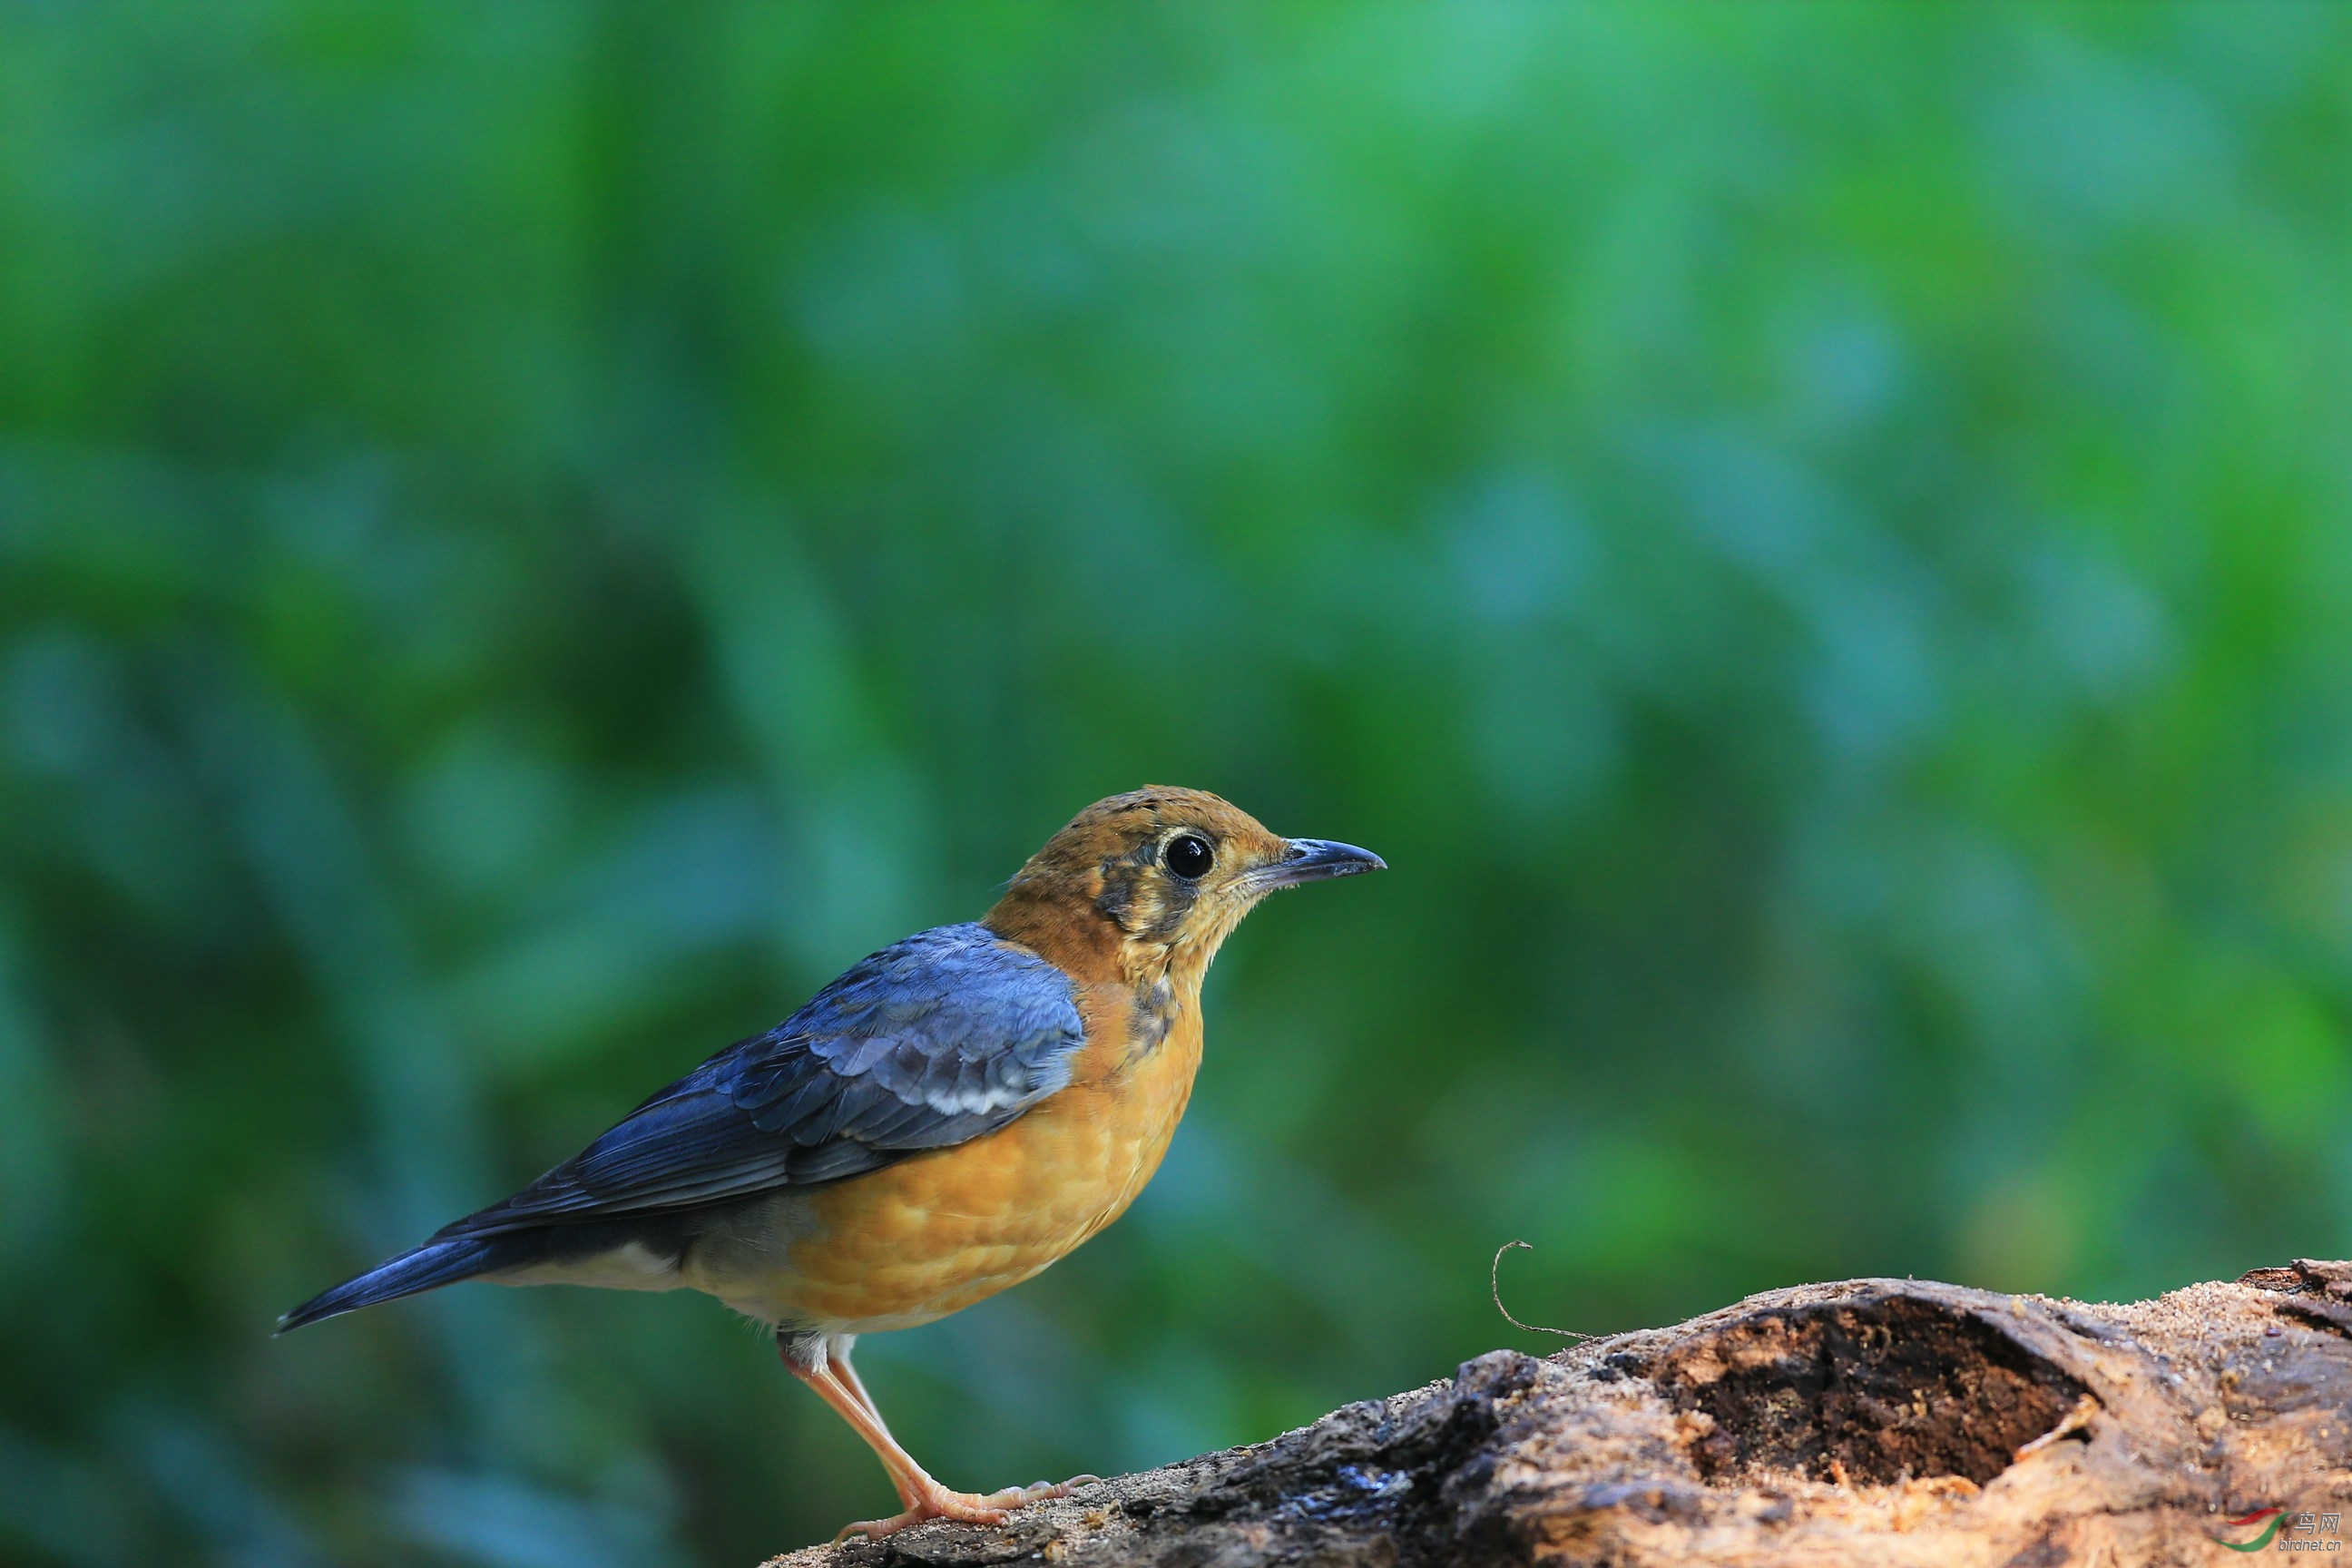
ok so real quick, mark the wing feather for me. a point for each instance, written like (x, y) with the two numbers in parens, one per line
(931, 1042)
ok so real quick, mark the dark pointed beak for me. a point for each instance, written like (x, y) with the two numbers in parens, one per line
(1315, 859)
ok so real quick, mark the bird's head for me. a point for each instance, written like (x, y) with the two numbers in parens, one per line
(1154, 879)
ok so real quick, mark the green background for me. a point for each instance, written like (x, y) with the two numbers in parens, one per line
(1815, 539)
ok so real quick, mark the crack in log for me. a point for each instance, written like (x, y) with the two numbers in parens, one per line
(1877, 1391)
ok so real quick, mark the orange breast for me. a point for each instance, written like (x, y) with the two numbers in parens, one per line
(922, 1239)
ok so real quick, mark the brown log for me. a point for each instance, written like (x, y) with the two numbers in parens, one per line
(1877, 1422)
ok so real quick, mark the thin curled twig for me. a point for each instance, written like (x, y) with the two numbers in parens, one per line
(1494, 1284)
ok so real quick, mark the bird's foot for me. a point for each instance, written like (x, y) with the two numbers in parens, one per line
(1037, 1491)
(936, 1501)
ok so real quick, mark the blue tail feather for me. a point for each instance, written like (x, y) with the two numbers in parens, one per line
(427, 1267)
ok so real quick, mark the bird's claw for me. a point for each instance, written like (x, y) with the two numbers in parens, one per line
(1037, 1492)
(961, 1507)
(964, 1507)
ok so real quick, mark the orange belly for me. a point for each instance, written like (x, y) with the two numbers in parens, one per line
(937, 1232)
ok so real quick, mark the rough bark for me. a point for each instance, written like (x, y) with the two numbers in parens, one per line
(1878, 1422)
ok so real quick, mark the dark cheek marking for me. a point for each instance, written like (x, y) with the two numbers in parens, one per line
(1121, 882)
(1142, 903)
(1116, 894)
(1176, 908)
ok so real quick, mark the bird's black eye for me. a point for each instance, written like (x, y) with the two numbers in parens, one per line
(1189, 856)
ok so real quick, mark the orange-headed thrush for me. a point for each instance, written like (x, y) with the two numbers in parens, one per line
(947, 1119)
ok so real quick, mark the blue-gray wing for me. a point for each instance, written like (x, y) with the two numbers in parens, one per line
(931, 1042)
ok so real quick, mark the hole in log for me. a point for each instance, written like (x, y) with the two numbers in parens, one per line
(1864, 1391)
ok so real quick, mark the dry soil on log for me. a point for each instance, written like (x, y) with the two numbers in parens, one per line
(1878, 1422)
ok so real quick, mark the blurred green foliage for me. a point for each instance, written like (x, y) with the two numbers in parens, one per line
(1814, 539)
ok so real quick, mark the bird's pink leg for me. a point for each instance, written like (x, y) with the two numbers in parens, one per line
(1010, 1497)
(840, 1388)
(856, 1386)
